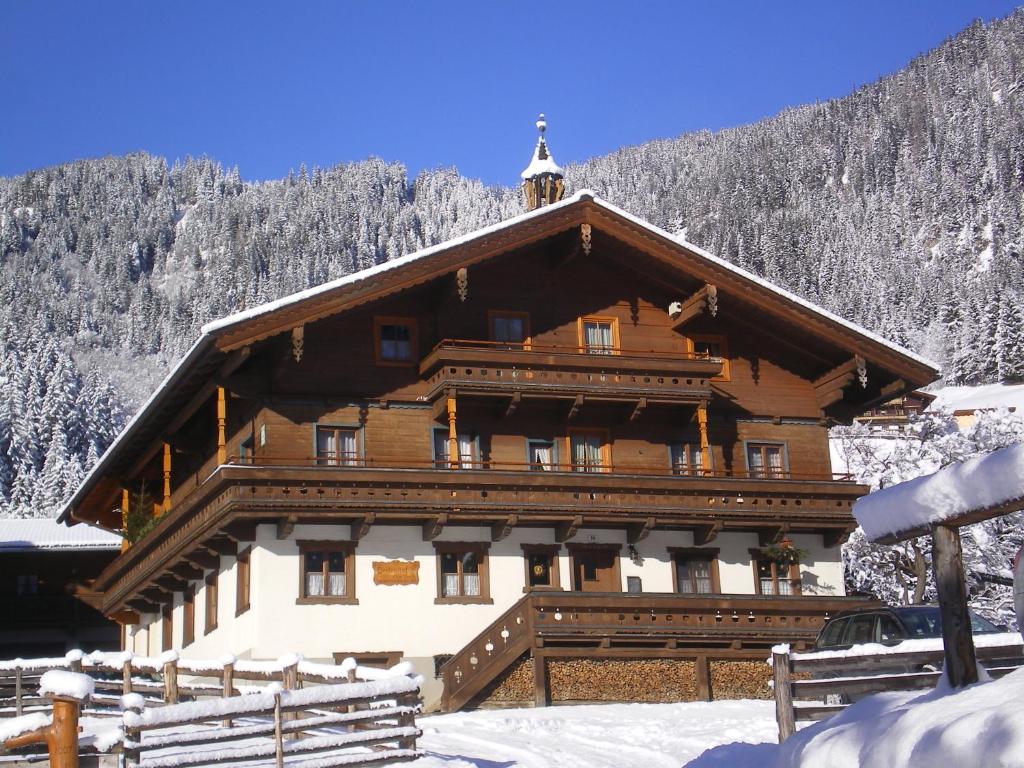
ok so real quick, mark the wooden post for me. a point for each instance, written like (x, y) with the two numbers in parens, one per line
(171, 682)
(784, 714)
(278, 737)
(290, 679)
(17, 692)
(705, 446)
(124, 518)
(350, 676)
(541, 688)
(703, 674)
(407, 719)
(126, 677)
(132, 736)
(961, 664)
(229, 687)
(60, 737)
(453, 434)
(222, 419)
(167, 478)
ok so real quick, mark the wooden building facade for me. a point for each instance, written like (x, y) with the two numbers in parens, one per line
(501, 449)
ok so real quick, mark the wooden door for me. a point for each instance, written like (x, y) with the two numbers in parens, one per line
(596, 571)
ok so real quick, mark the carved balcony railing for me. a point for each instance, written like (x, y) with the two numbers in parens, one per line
(530, 370)
(610, 625)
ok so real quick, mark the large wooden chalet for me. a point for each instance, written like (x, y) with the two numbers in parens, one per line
(566, 439)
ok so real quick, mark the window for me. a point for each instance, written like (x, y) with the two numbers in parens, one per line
(541, 562)
(337, 446)
(712, 345)
(686, 458)
(766, 459)
(242, 582)
(468, 453)
(327, 572)
(167, 627)
(541, 455)
(511, 328)
(599, 335)
(211, 602)
(589, 451)
(696, 570)
(774, 578)
(395, 340)
(188, 609)
(27, 585)
(462, 573)
(245, 450)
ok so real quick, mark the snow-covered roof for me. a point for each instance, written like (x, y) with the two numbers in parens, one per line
(24, 535)
(542, 162)
(953, 492)
(212, 329)
(979, 398)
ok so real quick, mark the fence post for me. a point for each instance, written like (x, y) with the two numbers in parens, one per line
(407, 719)
(18, 691)
(290, 678)
(126, 676)
(784, 713)
(350, 676)
(229, 686)
(278, 736)
(171, 681)
(961, 667)
(131, 735)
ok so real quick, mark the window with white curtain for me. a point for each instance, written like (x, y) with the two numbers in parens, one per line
(686, 458)
(541, 455)
(461, 572)
(325, 569)
(468, 458)
(598, 336)
(766, 459)
(338, 446)
(587, 450)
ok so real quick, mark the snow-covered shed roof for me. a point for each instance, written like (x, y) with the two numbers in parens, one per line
(28, 535)
(979, 398)
(202, 359)
(962, 493)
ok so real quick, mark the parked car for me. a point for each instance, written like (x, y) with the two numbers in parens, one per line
(888, 626)
(1018, 589)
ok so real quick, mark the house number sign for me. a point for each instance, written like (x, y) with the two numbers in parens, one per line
(393, 573)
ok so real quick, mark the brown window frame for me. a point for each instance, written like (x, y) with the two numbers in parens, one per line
(685, 553)
(527, 341)
(554, 577)
(687, 446)
(338, 460)
(327, 547)
(767, 474)
(581, 337)
(451, 547)
(723, 345)
(167, 627)
(606, 449)
(379, 321)
(243, 581)
(210, 600)
(188, 616)
(794, 578)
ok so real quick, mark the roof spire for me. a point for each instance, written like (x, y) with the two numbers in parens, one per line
(542, 179)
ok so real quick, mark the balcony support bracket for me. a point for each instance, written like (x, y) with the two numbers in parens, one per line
(705, 534)
(640, 531)
(501, 529)
(772, 534)
(432, 528)
(361, 526)
(566, 530)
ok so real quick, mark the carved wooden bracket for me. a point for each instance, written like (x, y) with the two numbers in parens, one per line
(204, 559)
(833, 537)
(638, 409)
(503, 528)
(432, 528)
(462, 283)
(513, 403)
(574, 408)
(362, 526)
(683, 312)
(285, 526)
(705, 534)
(586, 238)
(172, 583)
(640, 531)
(142, 606)
(242, 531)
(186, 571)
(828, 388)
(221, 546)
(772, 534)
(565, 531)
(862, 371)
(298, 341)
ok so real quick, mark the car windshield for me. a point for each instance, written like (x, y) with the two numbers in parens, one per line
(927, 622)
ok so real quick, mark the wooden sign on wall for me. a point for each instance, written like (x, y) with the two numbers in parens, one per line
(393, 573)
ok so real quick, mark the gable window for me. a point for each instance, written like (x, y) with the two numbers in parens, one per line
(712, 346)
(766, 460)
(599, 335)
(395, 340)
(541, 562)
(695, 570)
(188, 629)
(242, 582)
(686, 458)
(327, 572)
(589, 451)
(462, 573)
(773, 578)
(337, 446)
(211, 602)
(512, 329)
(541, 456)
(468, 451)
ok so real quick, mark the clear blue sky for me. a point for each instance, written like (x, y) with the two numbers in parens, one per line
(268, 86)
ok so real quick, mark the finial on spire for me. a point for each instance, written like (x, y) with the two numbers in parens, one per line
(542, 179)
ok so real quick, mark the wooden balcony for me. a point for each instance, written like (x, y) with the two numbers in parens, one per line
(622, 625)
(499, 369)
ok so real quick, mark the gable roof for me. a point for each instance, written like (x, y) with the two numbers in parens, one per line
(32, 534)
(243, 328)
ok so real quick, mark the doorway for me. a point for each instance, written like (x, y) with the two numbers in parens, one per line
(595, 568)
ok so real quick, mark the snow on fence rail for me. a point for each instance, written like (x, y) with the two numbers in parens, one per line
(871, 668)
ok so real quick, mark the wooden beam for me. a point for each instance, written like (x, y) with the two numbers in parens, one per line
(242, 531)
(639, 531)
(501, 529)
(157, 594)
(772, 534)
(694, 306)
(432, 528)
(961, 666)
(285, 526)
(577, 403)
(829, 387)
(204, 559)
(186, 571)
(833, 537)
(541, 688)
(141, 605)
(513, 403)
(361, 526)
(172, 583)
(222, 420)
(705, 534)
(638, 409)
(566, 530)
(224, 546)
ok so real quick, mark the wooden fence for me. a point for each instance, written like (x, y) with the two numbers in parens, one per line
(841, 675)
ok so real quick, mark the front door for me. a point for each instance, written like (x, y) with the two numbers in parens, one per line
(594, 571)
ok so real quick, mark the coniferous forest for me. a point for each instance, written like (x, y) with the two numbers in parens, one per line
(899, 206)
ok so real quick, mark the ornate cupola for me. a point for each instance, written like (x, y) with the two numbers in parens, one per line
(542, 179)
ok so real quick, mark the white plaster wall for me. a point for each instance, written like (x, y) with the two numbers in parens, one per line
(821, 570)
